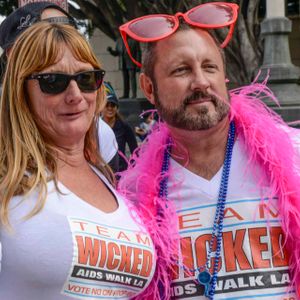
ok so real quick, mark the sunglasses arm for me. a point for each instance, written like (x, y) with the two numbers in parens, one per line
(229, 36)
(124, 37)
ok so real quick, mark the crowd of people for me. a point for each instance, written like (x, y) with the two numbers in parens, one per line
(207, 206)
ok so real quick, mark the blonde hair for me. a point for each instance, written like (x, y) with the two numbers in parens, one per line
(26, 159)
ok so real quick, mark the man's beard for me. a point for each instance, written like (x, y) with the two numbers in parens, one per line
(200, 118)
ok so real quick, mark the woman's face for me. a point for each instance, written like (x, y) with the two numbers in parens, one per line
(110, 110)
(63, 118)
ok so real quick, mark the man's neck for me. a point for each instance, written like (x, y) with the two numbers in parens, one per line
(206, 148)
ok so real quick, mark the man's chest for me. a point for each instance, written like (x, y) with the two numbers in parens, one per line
(253, 262)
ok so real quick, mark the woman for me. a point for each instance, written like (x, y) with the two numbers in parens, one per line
(145, 126)
(123, 132)
(34, 12)
(62, 223)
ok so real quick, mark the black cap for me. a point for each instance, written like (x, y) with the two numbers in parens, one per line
(24, 17)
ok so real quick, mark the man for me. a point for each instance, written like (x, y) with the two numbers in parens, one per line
(226, 165)
(22, 18)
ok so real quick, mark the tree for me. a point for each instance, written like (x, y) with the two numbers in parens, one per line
(243, 54)
(7, 6)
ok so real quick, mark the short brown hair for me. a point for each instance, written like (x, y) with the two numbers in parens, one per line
(149, 54)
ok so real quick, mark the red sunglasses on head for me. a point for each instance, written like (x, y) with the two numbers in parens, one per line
(153, 28)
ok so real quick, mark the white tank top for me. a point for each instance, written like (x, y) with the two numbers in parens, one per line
(73, 250)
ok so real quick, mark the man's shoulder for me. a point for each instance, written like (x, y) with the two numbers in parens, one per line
(294, 134)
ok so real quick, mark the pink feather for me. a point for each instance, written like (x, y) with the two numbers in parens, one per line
(268, 142)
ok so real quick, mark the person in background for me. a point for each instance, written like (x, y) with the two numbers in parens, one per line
(123, 132)
(108, 145)
(64, 229)
(145, 126)
(128, 68)
(22, 18)
(222, 170)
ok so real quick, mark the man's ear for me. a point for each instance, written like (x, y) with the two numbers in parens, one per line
(147, 87)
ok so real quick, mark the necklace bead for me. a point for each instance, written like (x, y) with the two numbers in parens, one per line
(204, 277)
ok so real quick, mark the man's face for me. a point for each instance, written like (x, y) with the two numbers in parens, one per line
(189, 87)
(46, 14)
(51, 13)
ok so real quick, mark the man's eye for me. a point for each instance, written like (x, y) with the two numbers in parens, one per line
(180, 70)
(211, 67)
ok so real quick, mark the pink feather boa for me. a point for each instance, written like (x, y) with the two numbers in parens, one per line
(268, 141)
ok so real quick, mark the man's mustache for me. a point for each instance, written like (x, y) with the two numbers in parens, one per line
(198, 96)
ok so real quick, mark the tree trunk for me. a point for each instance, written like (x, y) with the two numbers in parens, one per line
(243, 54)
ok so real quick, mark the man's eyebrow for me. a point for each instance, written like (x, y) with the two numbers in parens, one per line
(208, 60)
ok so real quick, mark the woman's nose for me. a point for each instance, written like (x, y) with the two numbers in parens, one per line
(73, 93)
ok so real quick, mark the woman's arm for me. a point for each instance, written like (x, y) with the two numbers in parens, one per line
(130, 138)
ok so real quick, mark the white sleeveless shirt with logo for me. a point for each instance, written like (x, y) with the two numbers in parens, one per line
(71, 250)
(253, 263)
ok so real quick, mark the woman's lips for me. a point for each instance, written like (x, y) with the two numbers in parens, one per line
(71, 114)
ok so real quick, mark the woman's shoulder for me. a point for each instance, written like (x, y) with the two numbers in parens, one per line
(123, 124)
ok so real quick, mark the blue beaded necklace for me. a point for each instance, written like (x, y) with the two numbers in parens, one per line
(204, 277)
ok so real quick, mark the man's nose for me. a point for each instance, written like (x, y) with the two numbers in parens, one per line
(200, 81)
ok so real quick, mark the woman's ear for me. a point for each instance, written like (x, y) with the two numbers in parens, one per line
(147, 87)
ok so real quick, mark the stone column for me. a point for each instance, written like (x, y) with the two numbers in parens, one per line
(277, 60)
(275, 9)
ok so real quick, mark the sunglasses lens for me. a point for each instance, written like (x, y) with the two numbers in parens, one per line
(153, 27)
(53, 83)
(90, 81)
(211, 14)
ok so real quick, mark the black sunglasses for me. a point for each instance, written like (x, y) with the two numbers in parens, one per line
(55, 83)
